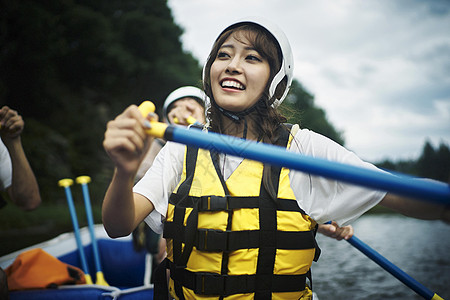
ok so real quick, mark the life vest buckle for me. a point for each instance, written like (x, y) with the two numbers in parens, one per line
(212, 240)
(214, 203)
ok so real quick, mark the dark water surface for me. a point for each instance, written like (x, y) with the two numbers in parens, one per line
(420, 248)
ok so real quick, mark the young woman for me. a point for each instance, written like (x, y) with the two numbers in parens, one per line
(236, 228)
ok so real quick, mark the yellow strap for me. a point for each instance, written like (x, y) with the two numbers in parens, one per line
(295, 128)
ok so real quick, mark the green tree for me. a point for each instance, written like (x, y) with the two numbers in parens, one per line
(70, 66)
(402, 166)
(432, 163)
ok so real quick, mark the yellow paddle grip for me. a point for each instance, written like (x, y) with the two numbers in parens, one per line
(157, 128)
(83, 179)
(190, 120)
(66, 182)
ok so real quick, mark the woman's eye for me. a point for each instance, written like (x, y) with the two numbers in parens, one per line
(253, 57)
(222, 55)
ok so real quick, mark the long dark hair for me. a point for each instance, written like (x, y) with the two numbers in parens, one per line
(265, 118)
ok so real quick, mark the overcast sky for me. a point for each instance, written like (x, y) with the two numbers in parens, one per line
(380, 69)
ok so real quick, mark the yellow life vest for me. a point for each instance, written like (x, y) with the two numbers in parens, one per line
(230, 239)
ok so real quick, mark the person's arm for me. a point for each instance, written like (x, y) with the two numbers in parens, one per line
(333, 230)
(126, 143)
(416, 208)
(347, 204)
(123, 210)
(149, 158)
(24, 189)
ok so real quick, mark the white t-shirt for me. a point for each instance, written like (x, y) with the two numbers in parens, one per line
(321, 198)
(5, 167)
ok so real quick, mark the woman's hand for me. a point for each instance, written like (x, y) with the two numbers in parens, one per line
(334, 231)
(11, 124)
(126, 142)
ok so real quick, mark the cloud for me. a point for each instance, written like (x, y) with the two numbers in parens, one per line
(380, 69)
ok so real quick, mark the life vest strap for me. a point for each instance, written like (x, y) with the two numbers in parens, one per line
(216, 284)
(183, 234)
(161, 290)
(225, 203)
(225, 241)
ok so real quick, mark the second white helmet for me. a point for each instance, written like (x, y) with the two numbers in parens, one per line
(183, 92)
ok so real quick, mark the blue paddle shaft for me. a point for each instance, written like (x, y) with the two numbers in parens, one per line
(391, 268)
(407, 186)
(90, 219)
(76, 230)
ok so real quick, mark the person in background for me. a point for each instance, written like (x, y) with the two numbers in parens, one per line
(16, 175)
(186, 103)
(184, 106)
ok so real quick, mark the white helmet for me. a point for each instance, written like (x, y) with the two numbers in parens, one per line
(287, 64)
(183, 92)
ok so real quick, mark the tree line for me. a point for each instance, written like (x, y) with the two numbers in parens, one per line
(70, 66)
(434, 162)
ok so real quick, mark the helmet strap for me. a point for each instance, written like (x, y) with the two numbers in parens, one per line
(237, 117)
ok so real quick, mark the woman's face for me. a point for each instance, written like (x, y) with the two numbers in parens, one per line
(182, 109)
(239, 74)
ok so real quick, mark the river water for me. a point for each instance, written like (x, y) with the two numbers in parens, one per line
(420, 248)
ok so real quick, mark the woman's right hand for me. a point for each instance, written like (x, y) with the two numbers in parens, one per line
(333, 230)
(126, 142)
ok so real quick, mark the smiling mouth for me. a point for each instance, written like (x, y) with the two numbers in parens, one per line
(232, 85)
